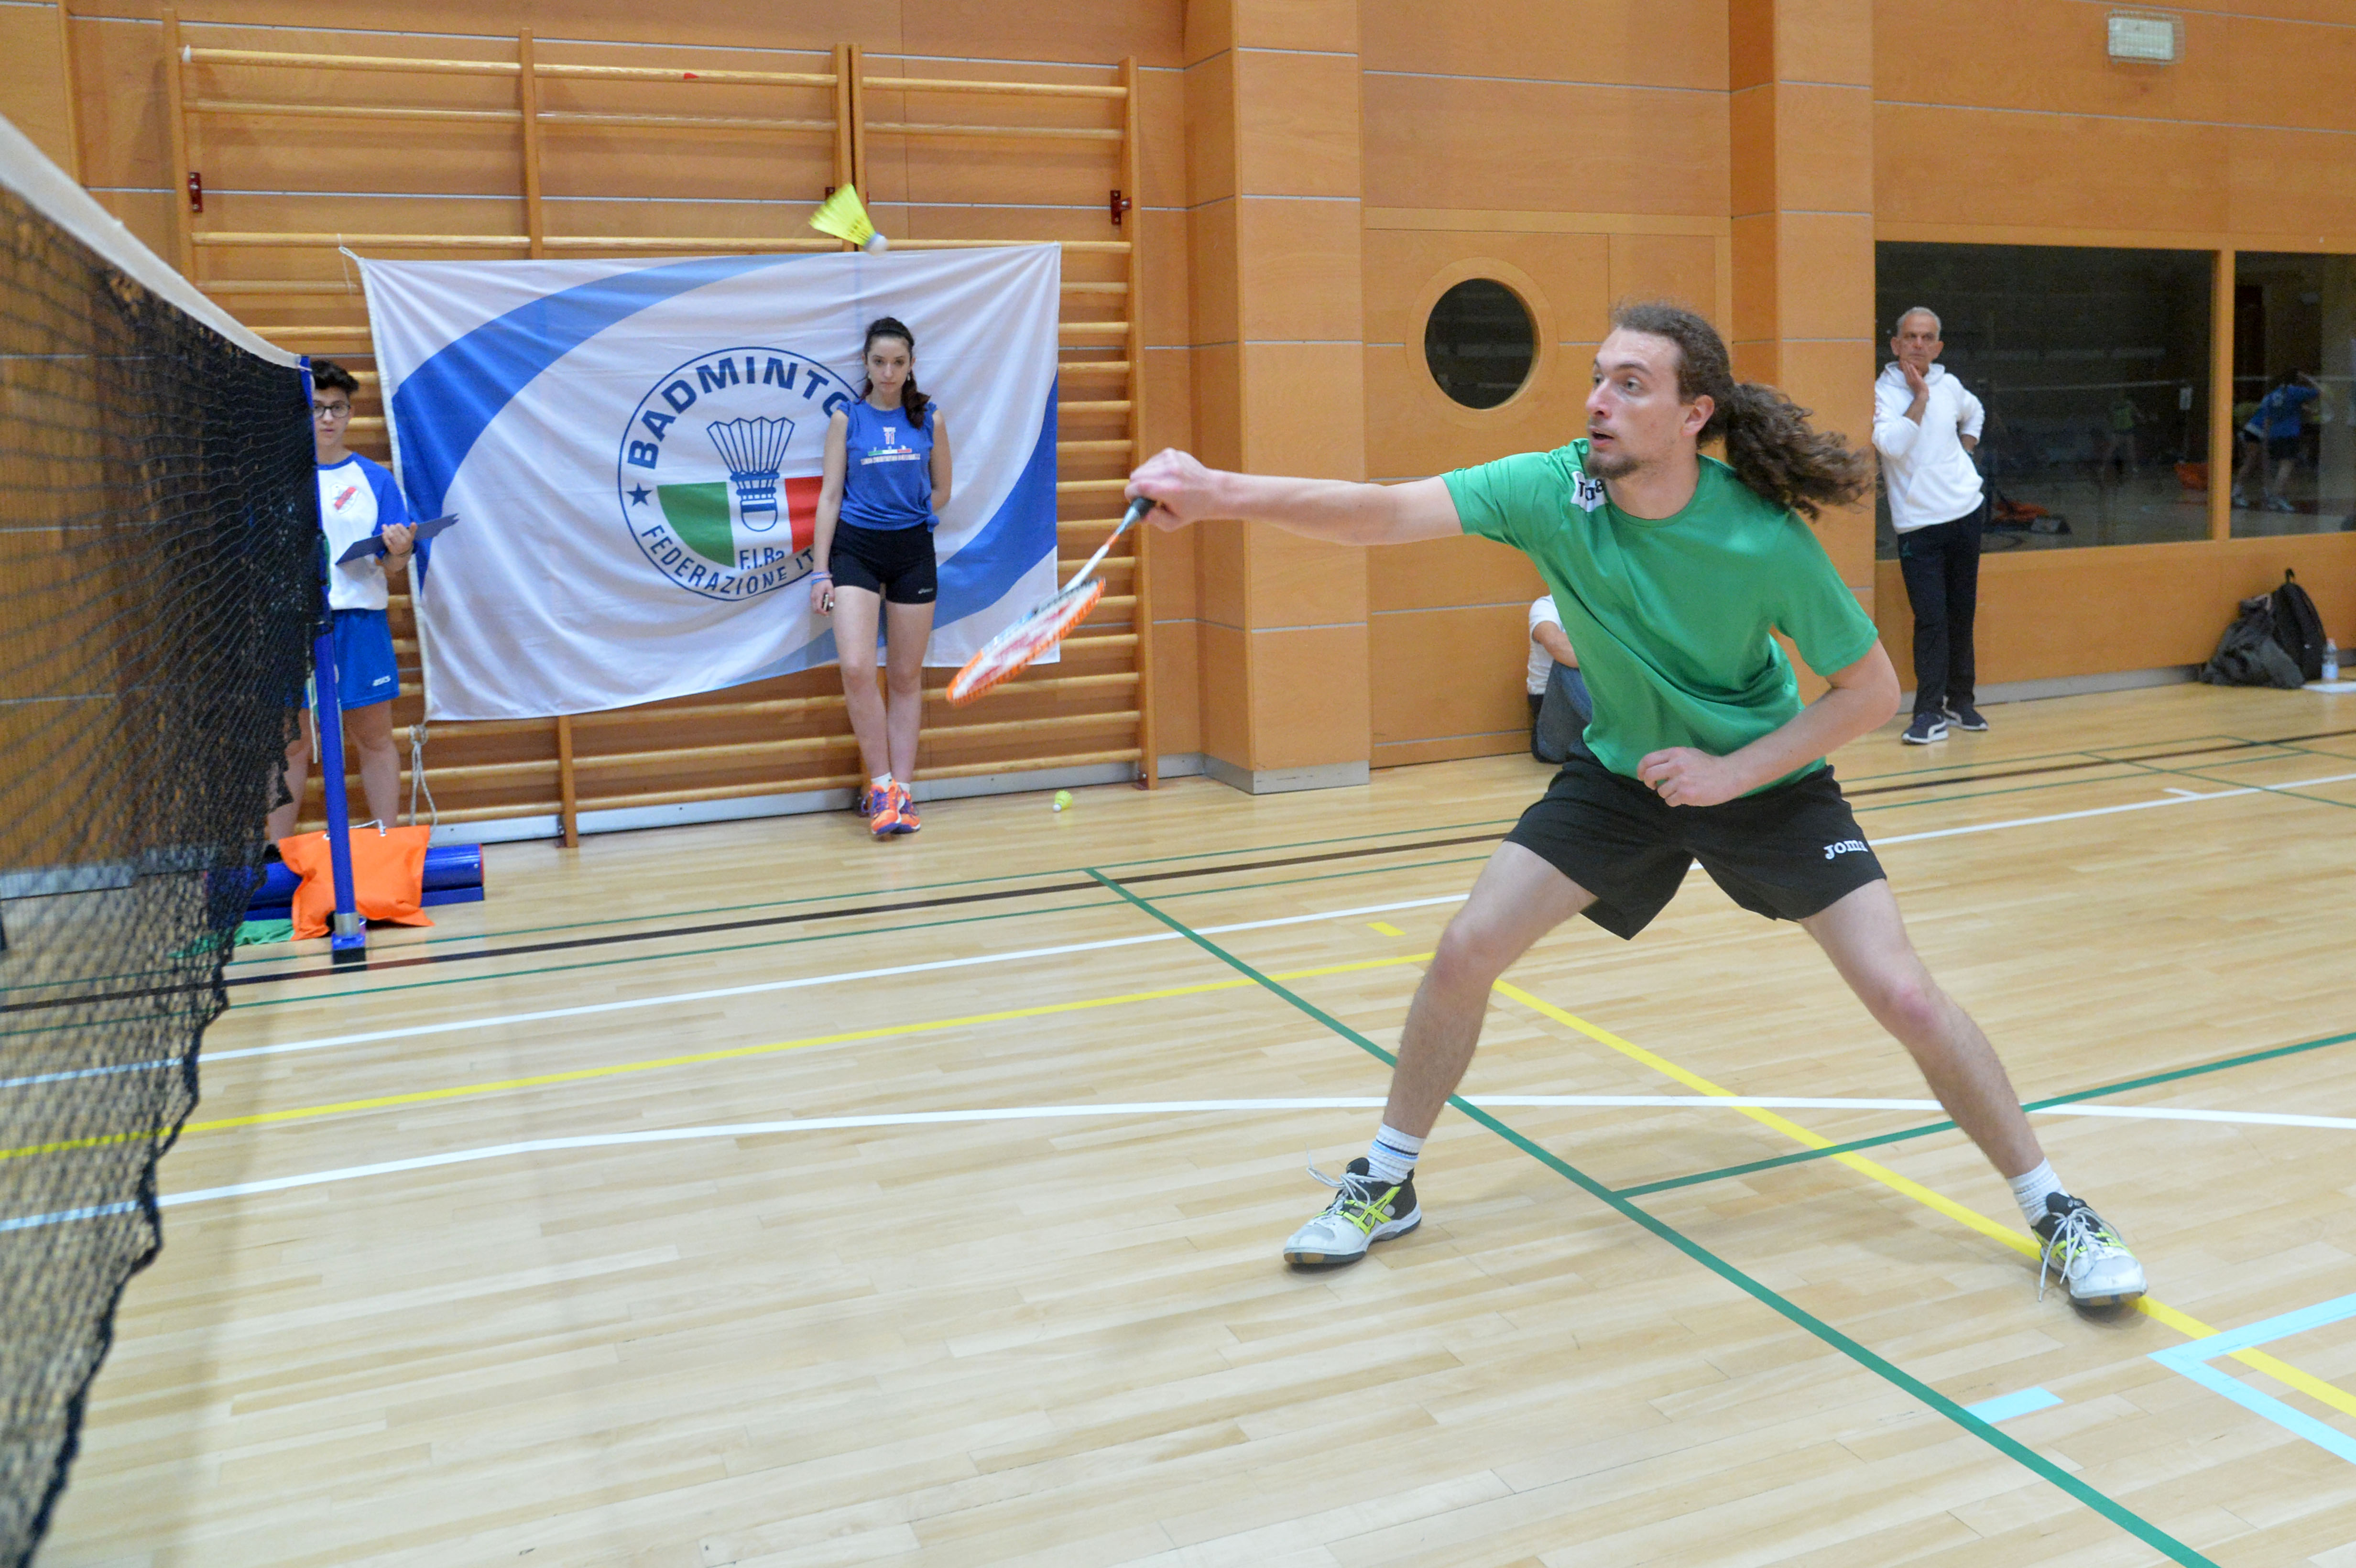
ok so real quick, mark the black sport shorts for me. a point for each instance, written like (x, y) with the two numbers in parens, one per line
(1786, 852)
(895, 562)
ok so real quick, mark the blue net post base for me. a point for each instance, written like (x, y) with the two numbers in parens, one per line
(347, 932)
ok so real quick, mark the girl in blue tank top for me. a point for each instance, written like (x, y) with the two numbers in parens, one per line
(887, 480)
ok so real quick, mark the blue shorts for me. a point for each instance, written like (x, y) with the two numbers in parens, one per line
(365, 671)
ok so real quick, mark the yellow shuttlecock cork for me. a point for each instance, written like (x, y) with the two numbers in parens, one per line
(844, 216)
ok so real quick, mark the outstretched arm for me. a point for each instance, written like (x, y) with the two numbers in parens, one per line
(1335, 509)
(1862, 697)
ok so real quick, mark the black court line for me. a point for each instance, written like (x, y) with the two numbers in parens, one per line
(764, 921)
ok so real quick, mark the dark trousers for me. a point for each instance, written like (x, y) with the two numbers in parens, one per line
(1560, 717)
(1942, 567)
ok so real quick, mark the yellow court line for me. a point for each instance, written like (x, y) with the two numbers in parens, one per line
(2183, 1323)
(730, 1053)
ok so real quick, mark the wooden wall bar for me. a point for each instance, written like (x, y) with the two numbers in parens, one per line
(536, 148)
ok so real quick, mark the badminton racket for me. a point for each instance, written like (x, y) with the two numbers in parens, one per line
(1045, 626)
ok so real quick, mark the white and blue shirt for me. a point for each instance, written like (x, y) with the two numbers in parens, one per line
(358, 499)
(887, 479)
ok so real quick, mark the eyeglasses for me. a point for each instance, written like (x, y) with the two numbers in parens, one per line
(331, 410)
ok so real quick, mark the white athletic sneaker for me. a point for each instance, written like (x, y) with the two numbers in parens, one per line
(1364, 1211)
(2085, 1254)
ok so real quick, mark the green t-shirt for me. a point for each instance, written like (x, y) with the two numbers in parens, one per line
(1670, 617)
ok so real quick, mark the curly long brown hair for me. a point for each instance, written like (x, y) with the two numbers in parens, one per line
(1768, 443)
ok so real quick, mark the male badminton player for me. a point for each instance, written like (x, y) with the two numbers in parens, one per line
(1669, 569)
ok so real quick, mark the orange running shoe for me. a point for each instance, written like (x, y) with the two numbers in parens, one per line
(896, 814)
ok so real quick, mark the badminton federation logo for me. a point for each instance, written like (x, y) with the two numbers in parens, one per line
(718, 471)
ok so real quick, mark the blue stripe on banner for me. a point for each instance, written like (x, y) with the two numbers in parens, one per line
(1021, 531)
(2006, 1406)
(447, 403)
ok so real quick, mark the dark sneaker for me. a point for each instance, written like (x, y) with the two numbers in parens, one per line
(1926, 727)
(1364, 1211)
(1966, 717)
(2085, 1254)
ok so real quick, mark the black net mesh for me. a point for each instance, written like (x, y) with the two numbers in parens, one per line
(159, 530)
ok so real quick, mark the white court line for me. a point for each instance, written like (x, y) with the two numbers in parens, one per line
(414, 1030)
(1166, 1108)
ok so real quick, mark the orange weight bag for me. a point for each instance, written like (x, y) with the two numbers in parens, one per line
(388, 877)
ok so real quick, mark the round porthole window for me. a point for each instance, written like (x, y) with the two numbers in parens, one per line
(1480, 343)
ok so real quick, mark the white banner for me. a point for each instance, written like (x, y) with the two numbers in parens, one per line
(633, 451)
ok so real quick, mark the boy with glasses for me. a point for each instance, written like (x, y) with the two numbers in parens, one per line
(359, 499)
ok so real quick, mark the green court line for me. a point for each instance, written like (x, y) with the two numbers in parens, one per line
(1927, 1129)
(2125, 1518)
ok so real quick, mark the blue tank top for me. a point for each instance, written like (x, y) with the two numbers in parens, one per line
(887, 479)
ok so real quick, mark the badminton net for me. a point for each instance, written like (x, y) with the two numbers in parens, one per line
(158, 548)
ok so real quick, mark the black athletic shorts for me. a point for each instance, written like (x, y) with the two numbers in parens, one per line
(895, 562)
(1786, 853)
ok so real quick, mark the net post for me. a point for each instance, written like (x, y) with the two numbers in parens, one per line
(346, 933)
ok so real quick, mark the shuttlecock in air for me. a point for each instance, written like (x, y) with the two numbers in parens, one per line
(844, 216)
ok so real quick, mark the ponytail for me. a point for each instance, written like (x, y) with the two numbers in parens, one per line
(912, 402)
(1772, 449)
(1769, 444)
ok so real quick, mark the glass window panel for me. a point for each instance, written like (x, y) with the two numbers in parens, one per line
(1480, 343)
(2294, 393)
(2093, 367)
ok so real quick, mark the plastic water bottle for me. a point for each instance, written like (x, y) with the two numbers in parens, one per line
(2330, 659)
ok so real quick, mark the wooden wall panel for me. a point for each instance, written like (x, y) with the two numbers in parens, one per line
(1680, 268)
(2053, 58)
(1658, 43)
(1438, 574)
(1570, 274)
(1451, 674)
(2049, 614)
(119, 88)
(1043, 29)
(1966, 167)
(2293, 183)
(1538, 147)
(33, 93)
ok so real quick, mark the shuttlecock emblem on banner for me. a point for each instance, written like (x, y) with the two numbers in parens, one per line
(754, 450)
(844, 216)
(761, 413)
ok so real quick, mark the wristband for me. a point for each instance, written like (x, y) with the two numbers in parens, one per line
(828, 575)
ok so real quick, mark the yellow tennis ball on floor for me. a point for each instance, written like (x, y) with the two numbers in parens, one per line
(877, 244)
(1063, 799)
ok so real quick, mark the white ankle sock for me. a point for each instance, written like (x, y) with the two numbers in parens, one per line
(880, 783)
(1392, 1156)
(2031, 1190)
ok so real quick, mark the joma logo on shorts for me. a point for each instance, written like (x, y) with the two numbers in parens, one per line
(1845, 847)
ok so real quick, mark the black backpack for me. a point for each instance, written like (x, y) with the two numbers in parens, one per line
(2248, 655)
(2298, 628)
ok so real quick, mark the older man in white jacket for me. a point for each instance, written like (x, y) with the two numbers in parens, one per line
(1925, 425)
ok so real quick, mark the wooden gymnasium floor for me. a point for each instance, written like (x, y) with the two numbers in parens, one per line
(757, 1194)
